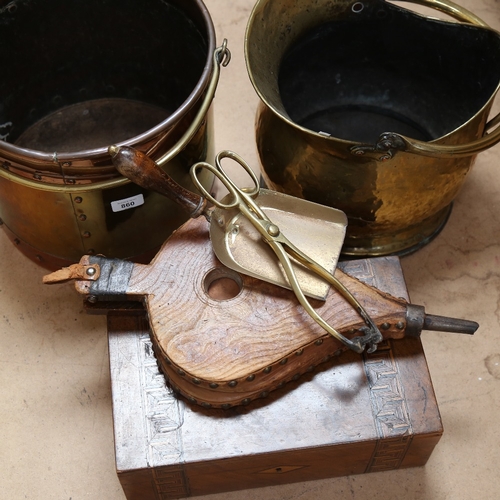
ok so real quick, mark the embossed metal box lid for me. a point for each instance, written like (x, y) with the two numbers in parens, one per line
(356, 415)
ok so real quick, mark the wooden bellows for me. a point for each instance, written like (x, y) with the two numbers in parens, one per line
(220, 352)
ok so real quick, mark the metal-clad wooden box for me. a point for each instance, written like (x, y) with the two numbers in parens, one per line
(353, 415)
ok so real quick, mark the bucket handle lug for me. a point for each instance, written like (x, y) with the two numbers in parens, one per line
(388, 144)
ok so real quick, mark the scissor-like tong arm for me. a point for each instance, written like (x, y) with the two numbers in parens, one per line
(243, 200)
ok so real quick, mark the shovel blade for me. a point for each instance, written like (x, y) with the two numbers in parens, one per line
(317, 230)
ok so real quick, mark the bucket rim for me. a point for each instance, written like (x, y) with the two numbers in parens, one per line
(459, 13)
(27, 155)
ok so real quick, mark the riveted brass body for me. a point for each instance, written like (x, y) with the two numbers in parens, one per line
(134, 73)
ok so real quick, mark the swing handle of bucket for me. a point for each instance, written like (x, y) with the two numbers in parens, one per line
(389, 143)
(221, 57)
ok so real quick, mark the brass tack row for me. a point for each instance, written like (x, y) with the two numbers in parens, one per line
(244, 402)
(400, 325)
(250, 378)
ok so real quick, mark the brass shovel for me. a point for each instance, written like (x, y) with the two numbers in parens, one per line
(304, 260)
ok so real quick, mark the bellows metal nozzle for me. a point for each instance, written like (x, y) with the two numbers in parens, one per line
(417, 320)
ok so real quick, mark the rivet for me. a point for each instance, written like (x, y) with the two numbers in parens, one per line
(66, 164)
(299, 352)
(6, 165)
(17, 241)
(233, 383)
(250, 378)
(284, 361)
(38, 177)
(181, 372)
(168, 361)
(264, 394)
(196, 381)
(385, 326)
(267, 369)
(400, 325)
(352, 331)
(225, 406)
(310, 368)
(90, 271)
(213, 385)
(206, 405)
(319, 342)
(92, 299)
(70, 181)
(82, 217)
(246, 401)
(273, 230)
(280, 385)
(192, 400)
(296, 376)
(86, 234)
(78, 199)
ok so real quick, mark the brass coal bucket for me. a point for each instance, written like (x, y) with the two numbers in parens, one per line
(78, 76)
(373, 109)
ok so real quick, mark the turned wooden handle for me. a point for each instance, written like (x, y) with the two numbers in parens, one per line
(143, 171)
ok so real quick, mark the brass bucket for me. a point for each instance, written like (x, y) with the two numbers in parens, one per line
(78, 76)
(372, 109)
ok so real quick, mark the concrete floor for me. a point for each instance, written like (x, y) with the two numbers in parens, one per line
(56, 428)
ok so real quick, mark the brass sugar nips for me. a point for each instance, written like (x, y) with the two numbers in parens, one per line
(287, 253)
(293, 268)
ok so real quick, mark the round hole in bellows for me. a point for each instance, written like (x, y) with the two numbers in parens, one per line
(223, 284)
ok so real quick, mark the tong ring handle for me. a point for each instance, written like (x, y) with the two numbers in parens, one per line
(236, 192)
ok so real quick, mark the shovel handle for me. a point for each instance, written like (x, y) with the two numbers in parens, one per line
(143, 171)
